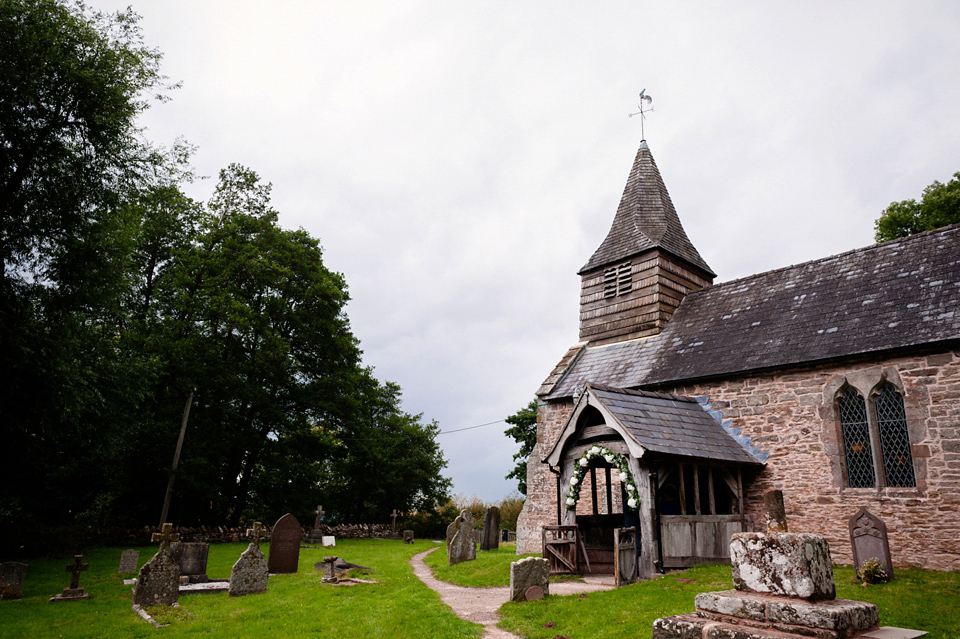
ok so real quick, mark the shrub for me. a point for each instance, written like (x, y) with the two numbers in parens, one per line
(871, 572)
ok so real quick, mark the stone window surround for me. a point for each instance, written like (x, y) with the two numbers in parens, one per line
(867, 382)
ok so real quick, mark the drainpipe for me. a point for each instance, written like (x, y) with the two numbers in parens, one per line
(655, 479)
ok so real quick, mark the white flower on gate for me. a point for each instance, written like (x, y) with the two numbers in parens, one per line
(571, 501)
(609, 458)
(595, 450)
(574, 481)
(631, 502)
(623, 477)
(631, 488)
(584, 462)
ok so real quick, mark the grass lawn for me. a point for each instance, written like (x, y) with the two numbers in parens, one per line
(918, 599)
(298, 605)
(491, 568)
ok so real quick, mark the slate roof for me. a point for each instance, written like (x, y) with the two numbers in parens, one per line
(895, 295)
(673, 425)
(645, 220)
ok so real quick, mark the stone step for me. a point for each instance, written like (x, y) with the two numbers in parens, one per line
(842, 617)
(693, 626)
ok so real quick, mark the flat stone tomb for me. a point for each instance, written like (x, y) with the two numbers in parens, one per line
(285, 545)
(784, 588)
(12, 575)
(74, 592)
(128, 561)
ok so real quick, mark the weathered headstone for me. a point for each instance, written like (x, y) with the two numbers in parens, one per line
(529, 579)
(128, 561)
(462, 545)
(408, 536)
(285, 545)
(158, 582)
(330, 570)
(328, 541)
(786, 564)
(316, 535)
(74, 592)
(249, 574)
(491, 529)
(776, 512)
(868, 536)
(192, 559)
(12, 575)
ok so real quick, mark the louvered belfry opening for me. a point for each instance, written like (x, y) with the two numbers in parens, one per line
(644, 268)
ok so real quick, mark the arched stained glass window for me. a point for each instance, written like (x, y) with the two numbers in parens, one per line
(856, 439)
(894, 440)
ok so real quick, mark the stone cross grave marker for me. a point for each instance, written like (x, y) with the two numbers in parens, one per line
(12, 575)
(868, 536)
(316, 535)
(158, 582)
(285, 545)
(128, 561)
(462, 545)
(249, 574)
(393, 524)
(491, 529)
(74, 592)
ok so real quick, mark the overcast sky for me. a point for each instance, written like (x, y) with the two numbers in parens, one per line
(460, 161)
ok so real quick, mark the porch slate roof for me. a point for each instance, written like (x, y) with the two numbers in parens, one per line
(673, 425)
(890, 296)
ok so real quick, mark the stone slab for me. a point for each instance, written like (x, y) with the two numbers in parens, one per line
(128, 561)
(71, 594)
(889, 632)
(839, 615)
(527, 576)
(249, 573)
(328, 541)
(690, 626)
(786, 564)
(12, 575)
(462, 544)
(208, 586)
(285, 546)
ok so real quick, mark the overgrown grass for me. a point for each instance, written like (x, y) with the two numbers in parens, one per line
(918, 599)
(298, 605)
(490, 569)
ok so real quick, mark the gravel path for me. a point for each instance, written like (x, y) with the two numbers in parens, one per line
(480, 605)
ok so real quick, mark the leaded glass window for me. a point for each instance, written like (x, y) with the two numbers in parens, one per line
(856, 439)
(894, 441)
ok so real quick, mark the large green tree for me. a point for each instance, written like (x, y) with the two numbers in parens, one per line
(938, 206)
(523, 429)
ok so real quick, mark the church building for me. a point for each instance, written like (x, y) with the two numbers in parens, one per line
(836, 381)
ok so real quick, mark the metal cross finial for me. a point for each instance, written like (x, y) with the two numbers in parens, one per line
(166, 535)
(256, 532)
(76, 568)
(644, 98)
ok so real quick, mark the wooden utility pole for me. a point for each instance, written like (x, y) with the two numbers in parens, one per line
(176, 459)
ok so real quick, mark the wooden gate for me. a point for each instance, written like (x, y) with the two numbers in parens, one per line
(563, 548)
(625, 556)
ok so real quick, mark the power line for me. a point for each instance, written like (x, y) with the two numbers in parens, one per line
(445, 432)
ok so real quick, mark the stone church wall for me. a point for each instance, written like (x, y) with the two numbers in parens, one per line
(791, 415)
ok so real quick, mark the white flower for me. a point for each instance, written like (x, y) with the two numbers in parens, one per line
(631, 488)
(632, 502)
(574, 481)
(595, 450)
(609, 458)
(584, 462)
(571, 501)
(623, 478)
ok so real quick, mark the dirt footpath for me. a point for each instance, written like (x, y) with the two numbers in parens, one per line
(480, 605)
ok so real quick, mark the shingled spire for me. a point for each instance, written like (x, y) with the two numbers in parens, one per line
(644, 267)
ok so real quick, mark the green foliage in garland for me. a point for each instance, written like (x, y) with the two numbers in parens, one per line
(591, 457)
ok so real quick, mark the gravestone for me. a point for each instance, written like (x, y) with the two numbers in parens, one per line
(128, 561)
(316, 535)
(408, 536)
(192, 559)
(529, 579)
(328, 541)
(491, 529)
(393, 523)
(285, 545)
(330, 570)
(12, 575)
(776, 512)
(462, 545)
(158, 582)
(868, 536)
(249, 574)
(74, 592)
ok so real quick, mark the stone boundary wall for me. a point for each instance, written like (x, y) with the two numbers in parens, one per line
(791, 415)
(225, 534)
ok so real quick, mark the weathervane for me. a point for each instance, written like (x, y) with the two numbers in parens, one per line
(643, 98)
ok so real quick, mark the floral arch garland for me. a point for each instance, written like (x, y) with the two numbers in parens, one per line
(616, 460)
